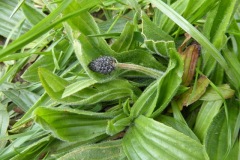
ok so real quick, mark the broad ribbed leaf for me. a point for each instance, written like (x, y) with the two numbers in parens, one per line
(72, 125)
(140, 57)
(78, 86)
(152, 32)
(111, 150)
(160, 47)
(223, 132)
(149, 139)
(205, 117)
(161, 91)
(177, 125)
(123, 43)
(99, 92)
(212, 95)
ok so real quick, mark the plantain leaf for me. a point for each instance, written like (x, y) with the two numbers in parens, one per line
(152, 32)
(4, 122)
(202, 40)
(177, 125)
(161, 91)
(72, 125)
(123, 43)
(205, 117)
(78, 86)
(110, 150)
(23, 98)
(149, 139)
(33, 149)
(222, 132)
(212, 95)
(160, 47)
(140, 57)
(99, 92)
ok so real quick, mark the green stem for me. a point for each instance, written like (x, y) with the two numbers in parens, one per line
(148, 71)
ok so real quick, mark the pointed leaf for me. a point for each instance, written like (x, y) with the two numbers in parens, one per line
(111, 150)
(72, 125)
(152, 32)
(149, 139)
(123, 43)
(205, 117)
(160, 92)
(78, 86)
(160, 47)
(212, 95)
(7, 24)
(223, 132)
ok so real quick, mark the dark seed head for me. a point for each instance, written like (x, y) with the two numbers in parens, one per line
(104, 65)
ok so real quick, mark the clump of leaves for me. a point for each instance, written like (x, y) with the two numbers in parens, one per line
(119, 80)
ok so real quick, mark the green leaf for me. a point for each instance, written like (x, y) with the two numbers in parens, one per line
(34, 149)
(205, 117)
(152, 32)
(222, 132)
(124, 42)
(51, 82)
(197, 9)
(99, 92)
(111, 150)
(4, 122)
(72, 125)
(149, 139)
(160, 47)
(166, 23)
(199, 37)
(233, 62)
(7, 24)
(38, 30)
(160, 92)
(177, 125)
(32, 14)
(118, 124)
(25, 141)
(78, 86)
(194, 93)
(43, 100)
(235, 152)
(86, 51)
(23, 98)
(219, 22)
(212, 95)
(49, 61)
(140, 57)
(10, 74)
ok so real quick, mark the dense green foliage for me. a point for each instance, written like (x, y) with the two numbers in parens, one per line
(173, 94)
